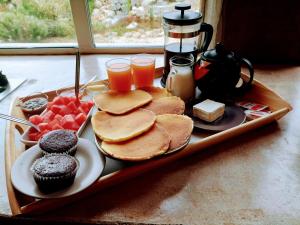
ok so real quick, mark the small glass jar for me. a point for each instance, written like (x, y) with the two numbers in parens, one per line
(180, 81)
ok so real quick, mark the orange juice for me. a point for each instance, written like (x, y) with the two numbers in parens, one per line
(143, 70)
(119, 74)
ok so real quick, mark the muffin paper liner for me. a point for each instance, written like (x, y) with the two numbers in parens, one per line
(55, 178)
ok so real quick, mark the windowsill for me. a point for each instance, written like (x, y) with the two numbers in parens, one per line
(69, 48)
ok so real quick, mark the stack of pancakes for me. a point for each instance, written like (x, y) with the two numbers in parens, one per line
(140, 124)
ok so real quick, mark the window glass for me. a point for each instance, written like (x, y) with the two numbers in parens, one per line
(130, 21)
(36, 21)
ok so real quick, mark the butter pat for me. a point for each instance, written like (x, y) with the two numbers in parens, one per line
(208, 110)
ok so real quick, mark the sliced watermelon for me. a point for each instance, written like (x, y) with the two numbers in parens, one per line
(73, 107)
(44, 126)
(80, 118)
(49, 115)
(34, 136)
(57, 127)
(64, 110)
(90, 104)
(58, 117)
(56, 108)
(59, 100)
(75, 126)
(73, 99)
(85, 107)
(67, 122)
(44, 132)
(73, 115)
(80, 110)
(67, 100)
(53, 123)
(36, 119)
(49, 105)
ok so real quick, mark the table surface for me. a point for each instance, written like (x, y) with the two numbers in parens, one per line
(251, 179)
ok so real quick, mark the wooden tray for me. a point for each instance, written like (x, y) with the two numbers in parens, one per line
(117, 172)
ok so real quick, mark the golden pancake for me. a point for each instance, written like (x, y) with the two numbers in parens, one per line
(157, 92)
(121, 102)
(116, 128)
(152, 143)
(166, 105)
(179, 127)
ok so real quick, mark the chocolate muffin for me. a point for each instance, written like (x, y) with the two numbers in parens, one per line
(59, 141)
(54, 172)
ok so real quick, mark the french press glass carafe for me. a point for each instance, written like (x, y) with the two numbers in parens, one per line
(182, 32)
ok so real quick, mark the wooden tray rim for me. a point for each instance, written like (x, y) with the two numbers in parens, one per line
(41, 206)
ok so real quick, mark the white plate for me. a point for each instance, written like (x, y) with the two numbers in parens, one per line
(25, 139)
(170, 151)
(91, 166)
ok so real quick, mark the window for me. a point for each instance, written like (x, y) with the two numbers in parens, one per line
(131, 21)
(36, 21)
(112, 26)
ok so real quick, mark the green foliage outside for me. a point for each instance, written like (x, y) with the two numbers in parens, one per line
(32, 20)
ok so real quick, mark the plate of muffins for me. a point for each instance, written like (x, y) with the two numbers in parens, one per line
(60, 165)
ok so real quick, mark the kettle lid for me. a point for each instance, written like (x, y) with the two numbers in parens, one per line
(218, 54)
(182, 17)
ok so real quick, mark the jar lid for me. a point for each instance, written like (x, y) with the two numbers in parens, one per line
(218, 54)
(182, 17)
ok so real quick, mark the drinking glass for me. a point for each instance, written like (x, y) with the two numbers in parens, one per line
(143, 70)
(119, 74)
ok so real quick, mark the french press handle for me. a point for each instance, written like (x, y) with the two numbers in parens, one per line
(208, 30)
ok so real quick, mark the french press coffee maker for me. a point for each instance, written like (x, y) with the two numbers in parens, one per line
(182, 30)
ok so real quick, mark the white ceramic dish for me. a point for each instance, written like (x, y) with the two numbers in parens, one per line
(25, 139)
(91, 165)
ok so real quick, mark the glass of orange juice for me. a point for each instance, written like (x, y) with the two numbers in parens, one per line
(143, 70)
(119, 74)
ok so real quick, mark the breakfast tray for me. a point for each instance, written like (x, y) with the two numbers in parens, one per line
(115, 171)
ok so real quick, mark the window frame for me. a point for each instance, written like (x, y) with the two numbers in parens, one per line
(85, 41)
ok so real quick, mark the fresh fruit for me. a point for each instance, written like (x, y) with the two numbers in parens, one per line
(67, 122)
(62, 113)
(49, 105)
(57, 127)
(44, 126)
(90, 104)
(36, 119)
(34, 136)
(58, 117)
(73, 108)
(49, 115)
(75, 126)
(56, 108)
(59, 100)
(80, 118)
(65, 110)
(54, 122)
(67, 100)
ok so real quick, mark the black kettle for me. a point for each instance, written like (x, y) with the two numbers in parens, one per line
(218, 74)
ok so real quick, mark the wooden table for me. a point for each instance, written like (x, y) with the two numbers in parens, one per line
(252, 179)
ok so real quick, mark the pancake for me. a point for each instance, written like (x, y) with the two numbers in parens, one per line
(179, 127)
(166, 105)
(117, 128)
(157, 92)
(152, 143)
(121, 102)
